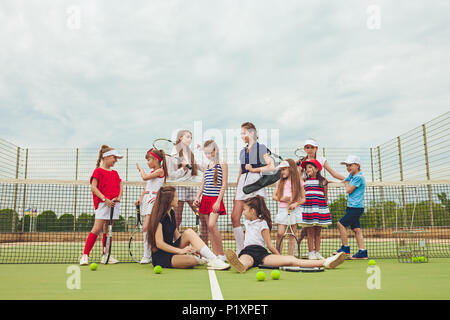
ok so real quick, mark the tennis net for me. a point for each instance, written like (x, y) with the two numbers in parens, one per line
(43, 221)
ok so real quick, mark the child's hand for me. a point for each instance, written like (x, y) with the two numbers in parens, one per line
(138, 166)
(109, 203)
(187, 250)
(216, 207)
(249, 168)
(292, 206)
(138, 203)
(196, 202)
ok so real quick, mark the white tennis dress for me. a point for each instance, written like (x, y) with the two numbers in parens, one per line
(151, 189)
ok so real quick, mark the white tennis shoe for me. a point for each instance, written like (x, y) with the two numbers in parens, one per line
(111, 260)
(333, 261)
(312, 255)
(319, 256)
(84, 261)
(145, 260)
(217, 264)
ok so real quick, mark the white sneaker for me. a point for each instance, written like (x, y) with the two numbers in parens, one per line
(84, 261)
(145, 260)
(319, 256)
(223, 258)
(200, 260)
(312, 256)
(217, 264)
(111, 260)
(305, 256)
(333, 261)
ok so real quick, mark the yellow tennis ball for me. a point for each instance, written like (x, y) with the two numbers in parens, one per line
(275, 274)
(157, 269)
(260, 276)
(372, 262)
(93, 266)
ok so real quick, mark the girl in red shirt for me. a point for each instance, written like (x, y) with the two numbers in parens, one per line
(106, 187)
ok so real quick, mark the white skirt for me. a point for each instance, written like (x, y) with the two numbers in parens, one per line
(103, 212)
(282, 216)
(147, 204)
(186, 193)
(244, 180)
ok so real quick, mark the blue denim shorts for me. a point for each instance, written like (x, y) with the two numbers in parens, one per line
(351, 217)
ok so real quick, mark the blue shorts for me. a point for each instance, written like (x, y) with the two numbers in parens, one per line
(351, 218)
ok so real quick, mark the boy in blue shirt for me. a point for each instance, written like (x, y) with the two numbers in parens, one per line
(355, 186)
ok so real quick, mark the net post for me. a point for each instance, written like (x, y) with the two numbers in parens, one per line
(16, 190)
(381, 188)
(427, 168)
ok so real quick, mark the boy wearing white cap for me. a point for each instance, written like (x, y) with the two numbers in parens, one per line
(355, 186)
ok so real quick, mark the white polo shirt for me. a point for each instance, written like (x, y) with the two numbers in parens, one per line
(253, 231)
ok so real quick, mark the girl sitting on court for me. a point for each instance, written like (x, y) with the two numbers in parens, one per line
(106, 187)
(170, 249)
(316, 214)
(290, 195)
(156, 161)
(258, 225)
(211, 191)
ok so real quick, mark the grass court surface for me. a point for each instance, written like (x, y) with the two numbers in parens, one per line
(134, 281)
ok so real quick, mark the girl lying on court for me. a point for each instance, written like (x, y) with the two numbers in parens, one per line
(258, 225)
(170, 249)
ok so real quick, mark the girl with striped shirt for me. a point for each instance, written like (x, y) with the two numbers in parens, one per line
(315, 212)
(211, 191)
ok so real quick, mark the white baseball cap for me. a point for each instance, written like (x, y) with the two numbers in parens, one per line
(112, 152)
(283, 164)
(351, 159)
(311, 142)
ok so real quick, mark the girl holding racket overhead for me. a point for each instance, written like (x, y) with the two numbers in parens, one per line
(183, 168)
(258, 225)
(156, 161)
(211, 191)
(254, 160)
(106, 187)
(170, 249)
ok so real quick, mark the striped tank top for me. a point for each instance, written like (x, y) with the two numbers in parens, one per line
(210, 190)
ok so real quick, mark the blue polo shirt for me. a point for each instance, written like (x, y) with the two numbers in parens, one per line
(356, 198)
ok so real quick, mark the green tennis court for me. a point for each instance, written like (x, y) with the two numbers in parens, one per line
(133, 281)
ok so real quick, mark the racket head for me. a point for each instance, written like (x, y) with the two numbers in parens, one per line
(164, 144)
(302, 269)
(288, 245)
(300, 153)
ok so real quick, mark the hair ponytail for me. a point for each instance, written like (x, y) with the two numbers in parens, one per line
(262, 212)
(104, 148)
(216, 158)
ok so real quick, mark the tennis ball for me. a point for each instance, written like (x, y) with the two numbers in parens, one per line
(260, 276)
(93, 266)
(422, 259)
(157, 269)
(275, 274)
(372, 263)
(414, 259)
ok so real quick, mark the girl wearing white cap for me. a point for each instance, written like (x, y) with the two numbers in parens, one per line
(290, 194)
(106, 187)
(311, 147)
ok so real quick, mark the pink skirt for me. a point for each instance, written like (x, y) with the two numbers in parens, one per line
(207, 203)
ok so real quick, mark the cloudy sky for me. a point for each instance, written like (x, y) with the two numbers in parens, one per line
(351, 74)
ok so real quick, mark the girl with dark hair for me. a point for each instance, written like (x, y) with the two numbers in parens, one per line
(170, 248)
(258, 225)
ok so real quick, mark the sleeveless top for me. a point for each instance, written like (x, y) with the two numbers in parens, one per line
(210, 190)
(152, 187)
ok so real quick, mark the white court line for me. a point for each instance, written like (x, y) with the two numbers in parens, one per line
(215, 288)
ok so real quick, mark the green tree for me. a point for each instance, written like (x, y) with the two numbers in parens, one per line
(6, 220)
(119, 225)
(85, 222)
(65, 222)
(337, 209)
(46, 221)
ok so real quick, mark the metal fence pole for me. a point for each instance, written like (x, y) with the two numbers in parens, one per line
(125, 193)
(324, 171)
(76, 192)
(13, 220)
(371, 164)
(400, 162)
(381, 188)
(427, 168)
(24, 191)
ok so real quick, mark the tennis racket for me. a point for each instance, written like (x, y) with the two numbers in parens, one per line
(108, 242)
(294, 269)
(197, 221)
(300, 154)
(289, 242)
(135, 245)
(166, 145)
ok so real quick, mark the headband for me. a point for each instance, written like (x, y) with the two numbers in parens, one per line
(154, 154)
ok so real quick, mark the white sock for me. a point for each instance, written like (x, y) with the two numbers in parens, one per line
(239, 237)
(146, 246)
(208, 254)
(222, 258)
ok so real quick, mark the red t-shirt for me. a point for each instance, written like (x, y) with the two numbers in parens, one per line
(108, 184)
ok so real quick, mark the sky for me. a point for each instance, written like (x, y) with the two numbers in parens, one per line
(350, 74)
